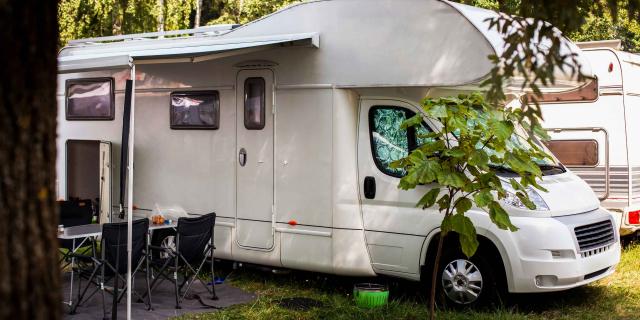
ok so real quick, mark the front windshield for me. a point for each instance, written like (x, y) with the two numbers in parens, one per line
(549, 165)
(519, 139)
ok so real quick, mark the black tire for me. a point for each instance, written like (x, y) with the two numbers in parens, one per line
(160, 238)
(462, 280)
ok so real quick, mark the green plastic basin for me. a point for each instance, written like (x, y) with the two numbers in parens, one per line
(370, 295)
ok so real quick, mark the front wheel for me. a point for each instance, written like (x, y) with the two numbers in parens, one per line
(467, 282)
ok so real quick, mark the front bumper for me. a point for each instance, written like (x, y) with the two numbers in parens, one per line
(544, 253)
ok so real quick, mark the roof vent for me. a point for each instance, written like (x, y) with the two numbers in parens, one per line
(610, 44)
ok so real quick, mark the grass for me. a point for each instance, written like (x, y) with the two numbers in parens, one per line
(615, 297)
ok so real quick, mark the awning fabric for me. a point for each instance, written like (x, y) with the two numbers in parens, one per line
(96, 57)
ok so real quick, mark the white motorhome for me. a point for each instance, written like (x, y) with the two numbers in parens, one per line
(281, 127)
(593, 132)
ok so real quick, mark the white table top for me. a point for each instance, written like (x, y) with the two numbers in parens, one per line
(94, 230)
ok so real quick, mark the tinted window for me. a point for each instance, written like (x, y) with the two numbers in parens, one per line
(195, 110)
(388, 141)
(575, 152)
(254, 103)
(90, 99)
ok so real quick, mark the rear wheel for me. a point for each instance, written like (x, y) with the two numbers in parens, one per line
(164, 238)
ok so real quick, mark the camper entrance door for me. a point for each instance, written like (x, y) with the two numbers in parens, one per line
(88, 170)
(255, 126)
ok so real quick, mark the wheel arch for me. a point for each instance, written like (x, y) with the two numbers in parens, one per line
(489, 244)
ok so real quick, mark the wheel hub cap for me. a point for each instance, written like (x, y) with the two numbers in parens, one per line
(462, 281)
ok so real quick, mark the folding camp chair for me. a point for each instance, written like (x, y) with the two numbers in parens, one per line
(112, 265)
(73, 213)
(193, 243)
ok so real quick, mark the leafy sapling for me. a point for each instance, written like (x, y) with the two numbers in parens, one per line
(466, 162)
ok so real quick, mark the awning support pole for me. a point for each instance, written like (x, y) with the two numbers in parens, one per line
(130, 186)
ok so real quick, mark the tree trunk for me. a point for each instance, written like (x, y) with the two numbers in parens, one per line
(434, 278)
(196, 23)
(29, 273)
(161, 16)
(118, 15)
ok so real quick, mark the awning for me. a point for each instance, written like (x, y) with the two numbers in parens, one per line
(90, 57)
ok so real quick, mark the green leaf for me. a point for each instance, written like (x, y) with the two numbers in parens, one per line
(521, 164)
(429, 199)
(478, 158)
(454, 152)
(483, 198)
(415, 120)
(427, 171)
(463, 226)
(452, 179)
(463, 205)
(524, 198)
(443, 202)
(502, 129)
(437, 111)
(515, 185)
(500, 217)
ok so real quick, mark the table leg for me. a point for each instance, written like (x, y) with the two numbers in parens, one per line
(73, 260)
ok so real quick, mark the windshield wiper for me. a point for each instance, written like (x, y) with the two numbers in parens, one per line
(502, 169)
(552, 168)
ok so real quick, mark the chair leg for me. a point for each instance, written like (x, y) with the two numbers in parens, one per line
(149, 306)
(194, 276)
(104, 302)
(160, 274)
(81, 294)
(175, 281)
(213, 279)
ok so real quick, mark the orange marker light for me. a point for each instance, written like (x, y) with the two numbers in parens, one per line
(293, 222)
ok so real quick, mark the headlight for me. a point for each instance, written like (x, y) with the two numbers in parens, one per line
(513, 200)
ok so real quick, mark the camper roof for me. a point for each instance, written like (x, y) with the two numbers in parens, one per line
(364, 43)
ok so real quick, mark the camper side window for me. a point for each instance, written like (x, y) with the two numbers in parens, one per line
(388, 141)
(195, 110)
(254, 103)
(89, 99)
(579, 153)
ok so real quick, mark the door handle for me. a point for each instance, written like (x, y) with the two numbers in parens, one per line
(242, 157)
(369, 187)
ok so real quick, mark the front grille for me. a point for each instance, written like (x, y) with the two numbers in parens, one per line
(589, 253)
(594, 235)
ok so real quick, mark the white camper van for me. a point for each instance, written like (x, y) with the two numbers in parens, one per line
(593, 130)
(277, 127)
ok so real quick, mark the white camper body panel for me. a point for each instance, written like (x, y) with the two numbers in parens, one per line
(320, 139)
(614, 112)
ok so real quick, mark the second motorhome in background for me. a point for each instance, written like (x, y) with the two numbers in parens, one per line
(595, 132)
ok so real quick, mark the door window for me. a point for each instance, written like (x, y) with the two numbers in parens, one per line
(254, 104)
(388, 141)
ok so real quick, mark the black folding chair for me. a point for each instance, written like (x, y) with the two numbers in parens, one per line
(193, 243)
(112, 265)
(73, 213)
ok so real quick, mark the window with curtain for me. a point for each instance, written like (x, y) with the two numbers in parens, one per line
(195, 110)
